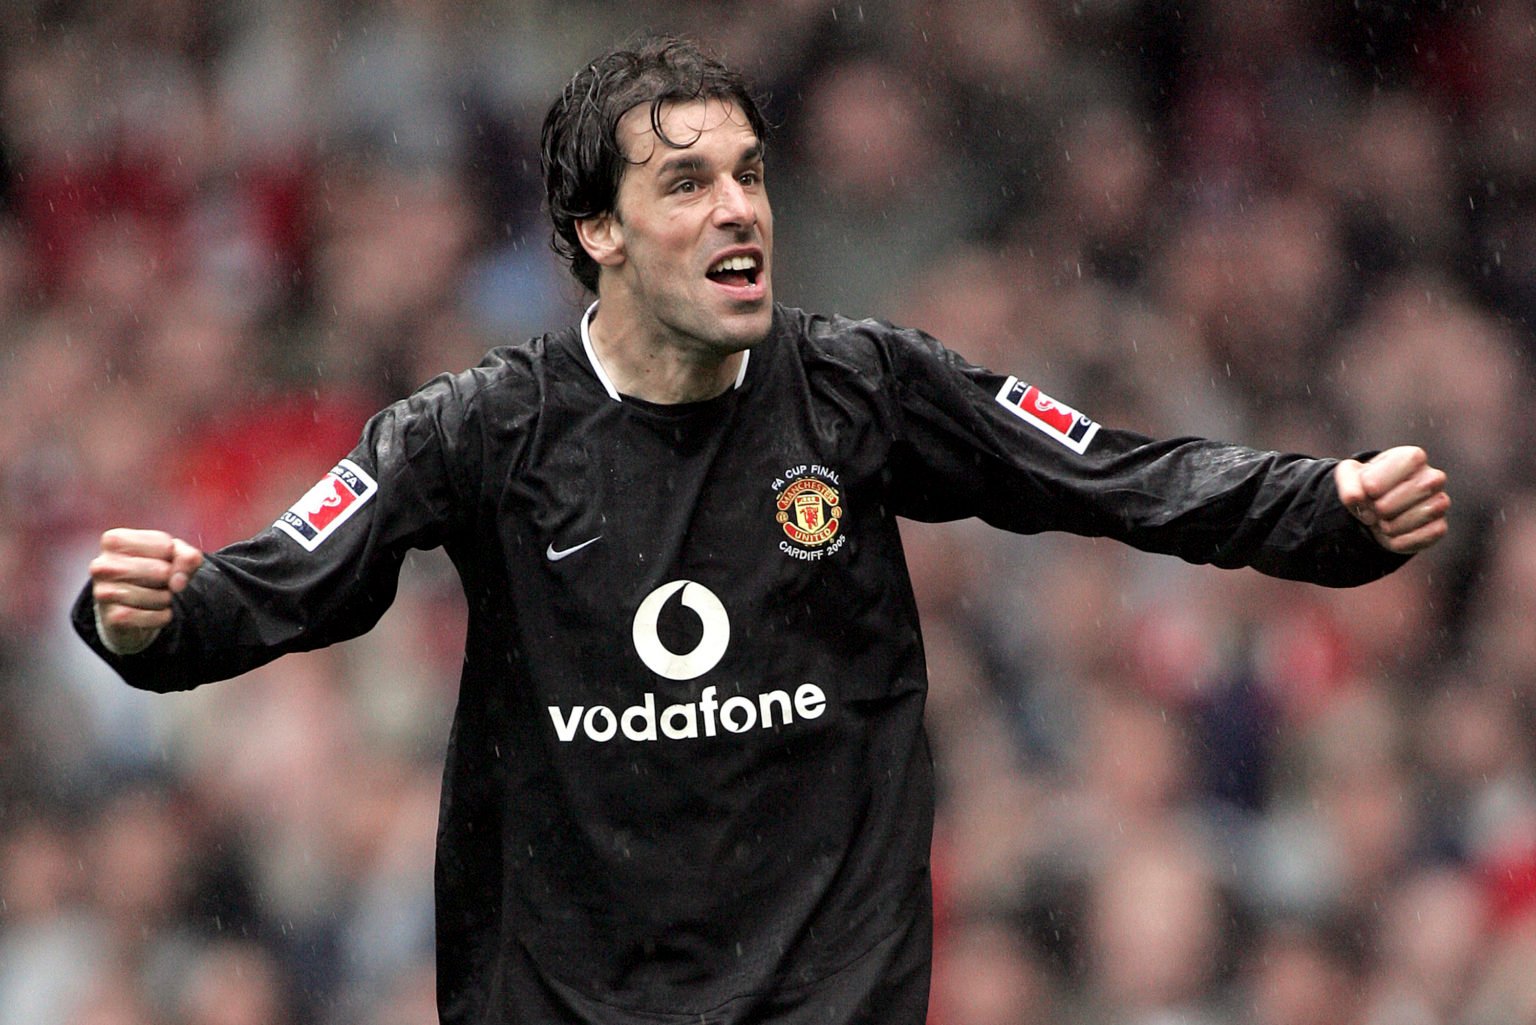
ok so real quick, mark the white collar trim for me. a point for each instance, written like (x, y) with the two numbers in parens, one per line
(741, 373)
(597, 364)
(602, 375)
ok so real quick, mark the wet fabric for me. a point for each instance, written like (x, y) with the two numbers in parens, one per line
(687, 779)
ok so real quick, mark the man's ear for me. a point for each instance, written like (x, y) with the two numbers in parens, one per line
(603, 239)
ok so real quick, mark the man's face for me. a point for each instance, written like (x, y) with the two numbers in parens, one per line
(693, 228)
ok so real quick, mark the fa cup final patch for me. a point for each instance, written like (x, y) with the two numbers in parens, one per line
(327, 505)
(1039, 410)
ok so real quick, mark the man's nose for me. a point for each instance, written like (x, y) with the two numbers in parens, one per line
(733, 207)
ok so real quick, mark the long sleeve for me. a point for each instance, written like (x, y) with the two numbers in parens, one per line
(325, 571)
(974, 443)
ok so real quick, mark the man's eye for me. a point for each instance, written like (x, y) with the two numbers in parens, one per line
(686, 185)
(749, 178)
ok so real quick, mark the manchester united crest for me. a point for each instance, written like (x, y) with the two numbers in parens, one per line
(809, 510)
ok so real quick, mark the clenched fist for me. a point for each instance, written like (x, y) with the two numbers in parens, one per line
(1399, 496)
(132, 581)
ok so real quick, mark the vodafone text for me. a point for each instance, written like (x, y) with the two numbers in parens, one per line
(736, 714)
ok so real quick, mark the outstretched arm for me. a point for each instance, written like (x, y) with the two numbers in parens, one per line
(132, 580)
(1398, 495)
(167, 617)
(974, 443)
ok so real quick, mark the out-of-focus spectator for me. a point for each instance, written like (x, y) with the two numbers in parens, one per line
(1154, 932)
(50, 945)
(231, 983)
(1262, 283)
(1421, 359)
(1298, 975)
(1432, 939)
(877, 198)
(989, 976)
(1502, 641)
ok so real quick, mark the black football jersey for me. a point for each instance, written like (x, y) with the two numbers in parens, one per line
(687, 779)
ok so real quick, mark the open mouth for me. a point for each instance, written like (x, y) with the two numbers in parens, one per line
(735, 271)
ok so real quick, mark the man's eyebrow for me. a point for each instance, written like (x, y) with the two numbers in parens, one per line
(681, 162)
(690, 163)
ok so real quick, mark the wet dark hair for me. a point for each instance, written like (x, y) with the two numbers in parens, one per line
(579, 148)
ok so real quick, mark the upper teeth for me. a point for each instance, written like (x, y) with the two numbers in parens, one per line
(734, 263)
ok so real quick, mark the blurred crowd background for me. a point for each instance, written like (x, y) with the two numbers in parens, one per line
(229, 231)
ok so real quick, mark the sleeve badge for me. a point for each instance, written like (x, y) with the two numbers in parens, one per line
(1057, 420)
(327, 505)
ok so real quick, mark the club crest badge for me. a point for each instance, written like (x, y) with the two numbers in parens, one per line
(809, 510)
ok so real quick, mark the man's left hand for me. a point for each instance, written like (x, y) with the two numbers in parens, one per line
(1398, 495)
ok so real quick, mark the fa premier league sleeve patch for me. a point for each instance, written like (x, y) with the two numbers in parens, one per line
(327, 505)
(1039, 410)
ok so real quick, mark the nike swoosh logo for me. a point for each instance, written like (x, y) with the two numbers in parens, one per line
(555, 555)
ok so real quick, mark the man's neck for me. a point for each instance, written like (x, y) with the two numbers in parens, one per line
(654, 367)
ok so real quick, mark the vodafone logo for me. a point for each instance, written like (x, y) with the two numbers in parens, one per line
(707, 717)
(705, 655)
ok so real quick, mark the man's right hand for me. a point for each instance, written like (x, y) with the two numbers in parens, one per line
(132, 581)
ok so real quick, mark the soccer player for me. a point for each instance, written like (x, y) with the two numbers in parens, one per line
(687, 779)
